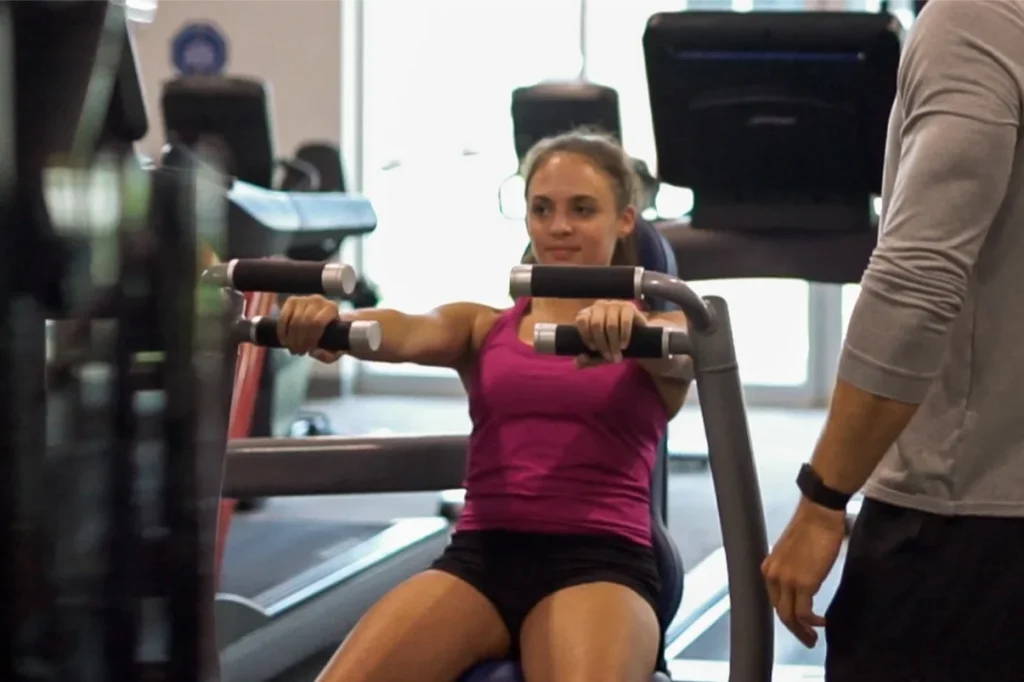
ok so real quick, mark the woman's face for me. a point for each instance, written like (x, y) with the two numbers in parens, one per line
(572, 214)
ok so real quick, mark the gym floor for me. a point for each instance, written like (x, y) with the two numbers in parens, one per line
(782, 441)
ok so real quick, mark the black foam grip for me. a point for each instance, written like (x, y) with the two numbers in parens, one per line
(583, 281)
(644, 342)
(334, 338)
(278, 277)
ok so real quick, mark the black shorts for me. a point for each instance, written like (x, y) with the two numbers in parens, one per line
(928, 598)
(515, 571)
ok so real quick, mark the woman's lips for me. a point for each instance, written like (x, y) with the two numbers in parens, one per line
(560, 253)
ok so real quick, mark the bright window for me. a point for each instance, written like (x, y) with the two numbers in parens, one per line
(437, 140)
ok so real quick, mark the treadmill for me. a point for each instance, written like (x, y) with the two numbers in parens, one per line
(769, 202)
(291, 591)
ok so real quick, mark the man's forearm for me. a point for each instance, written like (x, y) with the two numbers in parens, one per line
(859, 430)
(949, 170)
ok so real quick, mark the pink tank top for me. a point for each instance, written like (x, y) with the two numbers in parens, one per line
(555, 449)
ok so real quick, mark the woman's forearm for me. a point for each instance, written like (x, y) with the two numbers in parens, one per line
(441, 338)
(395, 328)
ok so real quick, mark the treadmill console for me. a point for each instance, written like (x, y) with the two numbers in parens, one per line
(230, 113)
(775, 120)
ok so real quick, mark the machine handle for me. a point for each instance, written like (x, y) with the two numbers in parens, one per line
(283, 276)
(611, 281)
(576, 281)
(644, 342)
(340, 335)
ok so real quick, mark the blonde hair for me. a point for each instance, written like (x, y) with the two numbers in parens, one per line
(605, 153)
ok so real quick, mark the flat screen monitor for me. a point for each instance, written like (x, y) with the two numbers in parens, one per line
(232, 114)
(773, 119)
(548, 109)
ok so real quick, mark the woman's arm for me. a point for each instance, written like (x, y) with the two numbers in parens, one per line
(672, 376)
(677, 369)
(441, 338)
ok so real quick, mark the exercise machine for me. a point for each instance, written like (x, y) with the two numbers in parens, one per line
(256, 650)
(292, 588)
(127, 427)
(552, 107)
(232, 108)
(307, 219)
(232, 117)
(268, 467)
(112, 453)
(777, 123)
(787, 169)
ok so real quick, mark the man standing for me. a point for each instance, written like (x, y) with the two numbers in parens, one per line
(928, 409)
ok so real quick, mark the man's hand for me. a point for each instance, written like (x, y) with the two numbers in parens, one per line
(799, 562)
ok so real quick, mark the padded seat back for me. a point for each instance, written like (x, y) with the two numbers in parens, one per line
(654, 253)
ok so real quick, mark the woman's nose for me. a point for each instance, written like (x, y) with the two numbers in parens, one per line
(561, 224)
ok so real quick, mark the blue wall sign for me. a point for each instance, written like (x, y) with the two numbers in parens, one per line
(199, 49)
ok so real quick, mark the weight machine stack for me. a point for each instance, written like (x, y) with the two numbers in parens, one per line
(112, 451)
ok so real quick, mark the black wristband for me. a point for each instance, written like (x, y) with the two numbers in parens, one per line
(815, 490)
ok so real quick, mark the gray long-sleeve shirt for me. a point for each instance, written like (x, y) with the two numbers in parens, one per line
(940, 318)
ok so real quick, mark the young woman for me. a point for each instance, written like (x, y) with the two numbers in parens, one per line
(551, 561)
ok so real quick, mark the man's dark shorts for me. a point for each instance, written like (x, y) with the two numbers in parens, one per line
(928, 598)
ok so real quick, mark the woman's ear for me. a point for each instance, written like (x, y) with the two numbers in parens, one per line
(627, 222)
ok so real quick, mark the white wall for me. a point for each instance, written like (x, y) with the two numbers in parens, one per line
(294, 44)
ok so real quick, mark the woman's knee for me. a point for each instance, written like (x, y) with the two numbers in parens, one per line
(429, 628)
(594, 632)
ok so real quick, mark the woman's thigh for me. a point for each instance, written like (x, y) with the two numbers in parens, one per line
(430, 628)
(599, 631)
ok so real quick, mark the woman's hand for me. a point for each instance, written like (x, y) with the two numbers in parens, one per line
(302, 321)
(605, 327)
